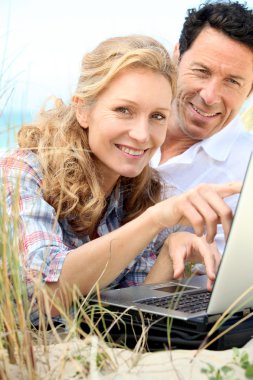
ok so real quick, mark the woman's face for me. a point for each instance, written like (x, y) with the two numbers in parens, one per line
(128, 122)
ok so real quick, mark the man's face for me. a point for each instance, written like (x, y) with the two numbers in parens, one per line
(215, 77)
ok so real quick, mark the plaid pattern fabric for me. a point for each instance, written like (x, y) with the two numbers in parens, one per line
(46, 241)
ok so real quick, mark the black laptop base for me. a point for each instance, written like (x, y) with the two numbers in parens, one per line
(127, 331)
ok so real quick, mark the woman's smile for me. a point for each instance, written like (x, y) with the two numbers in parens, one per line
(131, 151)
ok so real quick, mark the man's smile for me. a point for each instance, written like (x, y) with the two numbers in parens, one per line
(203, 113)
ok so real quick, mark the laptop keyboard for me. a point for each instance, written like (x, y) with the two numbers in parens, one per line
(189, 302)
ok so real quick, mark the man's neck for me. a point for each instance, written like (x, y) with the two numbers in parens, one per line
(172, 148)
(175, 142)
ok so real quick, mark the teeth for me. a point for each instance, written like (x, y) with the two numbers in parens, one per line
(203, 113)
(131, 151)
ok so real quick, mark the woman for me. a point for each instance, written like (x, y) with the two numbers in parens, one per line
(89, 204)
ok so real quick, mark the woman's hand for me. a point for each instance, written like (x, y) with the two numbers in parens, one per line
(202, 208)
(179, 248)
(185, 246)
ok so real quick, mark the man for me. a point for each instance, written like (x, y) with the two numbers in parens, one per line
(205, 140)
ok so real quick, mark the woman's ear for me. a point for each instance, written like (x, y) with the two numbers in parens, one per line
(81, 112)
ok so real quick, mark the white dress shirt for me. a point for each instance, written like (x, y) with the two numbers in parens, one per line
(220, 158)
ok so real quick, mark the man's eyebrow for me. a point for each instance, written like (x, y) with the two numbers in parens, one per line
(238, 77)
(199, 64)
(234, 76)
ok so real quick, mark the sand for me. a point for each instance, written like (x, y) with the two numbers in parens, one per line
(92, 359)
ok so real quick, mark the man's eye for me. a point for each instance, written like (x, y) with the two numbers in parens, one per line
(123, 110)
(158, 116)
(233, 81)
(201, 71)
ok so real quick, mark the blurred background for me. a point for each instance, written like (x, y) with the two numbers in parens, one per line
(42, 43)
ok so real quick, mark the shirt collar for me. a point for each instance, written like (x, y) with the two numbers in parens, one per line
(115, 202)
(220, 144)
(217, 146)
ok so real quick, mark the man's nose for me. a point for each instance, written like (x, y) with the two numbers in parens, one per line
(211, 93)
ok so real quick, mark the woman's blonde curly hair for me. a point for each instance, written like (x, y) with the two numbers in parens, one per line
(71, 179)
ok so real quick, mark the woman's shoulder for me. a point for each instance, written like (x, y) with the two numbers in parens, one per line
(20, 159)
(18, 154)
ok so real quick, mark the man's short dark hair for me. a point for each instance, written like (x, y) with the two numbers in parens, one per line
(231, 17)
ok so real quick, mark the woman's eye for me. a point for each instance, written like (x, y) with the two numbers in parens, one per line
(123, 110)
(158, 116)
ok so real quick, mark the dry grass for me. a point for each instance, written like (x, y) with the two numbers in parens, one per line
(70, 352)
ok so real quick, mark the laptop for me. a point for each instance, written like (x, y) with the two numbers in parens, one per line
(187, 301)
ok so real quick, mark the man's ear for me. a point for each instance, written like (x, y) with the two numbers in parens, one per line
(176, 53)
(81, 112)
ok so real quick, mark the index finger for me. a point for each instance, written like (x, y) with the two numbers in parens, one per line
(227, 189)
(211, 257)
(225, 213)
(178, 257)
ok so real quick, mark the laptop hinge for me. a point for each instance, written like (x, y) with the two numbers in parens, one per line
(246, 312)
(243, 313)
(213, 318)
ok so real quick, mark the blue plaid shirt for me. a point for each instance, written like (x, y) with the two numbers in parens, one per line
(47, 241)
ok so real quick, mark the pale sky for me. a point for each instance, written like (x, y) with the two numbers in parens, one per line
(42, 41)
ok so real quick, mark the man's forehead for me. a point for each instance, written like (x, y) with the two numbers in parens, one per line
(214, 46)
(209, 34)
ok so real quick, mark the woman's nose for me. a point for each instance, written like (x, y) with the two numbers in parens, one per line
(140, 130)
